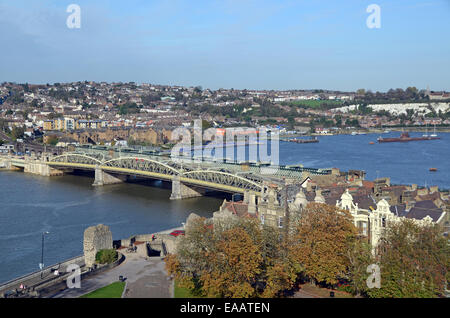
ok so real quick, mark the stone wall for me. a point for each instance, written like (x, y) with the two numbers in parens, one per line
(96, 238)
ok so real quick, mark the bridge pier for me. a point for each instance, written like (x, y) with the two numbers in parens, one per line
(181, 191)
(102, 178)
(5, 164)
(42, 169)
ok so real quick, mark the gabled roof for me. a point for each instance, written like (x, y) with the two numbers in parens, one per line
(423, 208)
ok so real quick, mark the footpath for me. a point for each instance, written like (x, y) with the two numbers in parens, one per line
(145, 277)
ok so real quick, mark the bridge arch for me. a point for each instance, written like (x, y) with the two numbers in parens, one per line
(223, 178)
(142, 164)
(77, 159)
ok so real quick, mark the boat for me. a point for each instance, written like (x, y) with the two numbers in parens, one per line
(354, 133)
(304, 141)
(434, 133)
(371, 143)
(404, 137)
(433, 169)
(426, 132)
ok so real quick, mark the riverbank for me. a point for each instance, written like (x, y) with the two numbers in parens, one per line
(46, 284)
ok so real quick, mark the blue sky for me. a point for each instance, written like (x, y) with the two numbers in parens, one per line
(254, 44)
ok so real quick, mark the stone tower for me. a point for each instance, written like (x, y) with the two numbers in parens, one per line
(96, 238)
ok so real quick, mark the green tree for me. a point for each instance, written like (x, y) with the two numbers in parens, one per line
(414, 261)
(360, 257)
(17, 132)
(52, 140)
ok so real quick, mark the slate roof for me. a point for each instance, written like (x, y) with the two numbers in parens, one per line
(423, 208)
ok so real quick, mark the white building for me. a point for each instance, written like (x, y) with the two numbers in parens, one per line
(372, 223)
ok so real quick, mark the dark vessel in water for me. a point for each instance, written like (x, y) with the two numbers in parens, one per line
(304, 141)
(404, 137)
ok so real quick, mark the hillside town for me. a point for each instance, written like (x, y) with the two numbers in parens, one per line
(143, 114)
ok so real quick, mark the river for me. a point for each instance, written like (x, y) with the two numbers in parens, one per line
(66, 206)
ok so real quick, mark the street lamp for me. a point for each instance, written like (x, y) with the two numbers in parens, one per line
(41, 264)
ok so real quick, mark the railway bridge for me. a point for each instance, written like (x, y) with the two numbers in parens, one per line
(189, 178)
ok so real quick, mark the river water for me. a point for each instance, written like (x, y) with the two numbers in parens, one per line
(66, 206)
(404, 162)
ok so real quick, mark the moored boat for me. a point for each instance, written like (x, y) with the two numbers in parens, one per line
(404, 137)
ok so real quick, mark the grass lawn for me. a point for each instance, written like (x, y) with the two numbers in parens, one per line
(114, 290)
(183, 292)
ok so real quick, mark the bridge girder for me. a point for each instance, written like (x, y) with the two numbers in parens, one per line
(165, 169)
(77, 158)
(223, 178)
(141, 164)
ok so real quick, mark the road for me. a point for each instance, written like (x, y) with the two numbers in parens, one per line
(145, 278)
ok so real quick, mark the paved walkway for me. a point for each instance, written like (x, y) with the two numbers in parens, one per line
(145, 278)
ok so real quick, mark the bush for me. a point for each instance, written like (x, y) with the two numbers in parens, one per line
(106, 256)
(345, 288)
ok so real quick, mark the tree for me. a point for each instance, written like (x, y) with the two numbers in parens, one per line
(17, 132)
(360, 257)
(52, 140)
(238, 259)
(3, 125)
(236, 264)
(321, 242)
(414, 261)
(361, 91)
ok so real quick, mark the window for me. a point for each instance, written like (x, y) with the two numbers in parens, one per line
(262, 218)
(383, 222)
(280, 222)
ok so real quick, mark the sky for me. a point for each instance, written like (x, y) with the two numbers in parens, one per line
(253, 44)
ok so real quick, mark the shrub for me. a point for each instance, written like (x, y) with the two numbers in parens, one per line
(345, 288)
(106, 256)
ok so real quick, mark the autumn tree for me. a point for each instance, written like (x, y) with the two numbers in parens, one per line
(240, 259)
(321, 242)
(414, 261)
